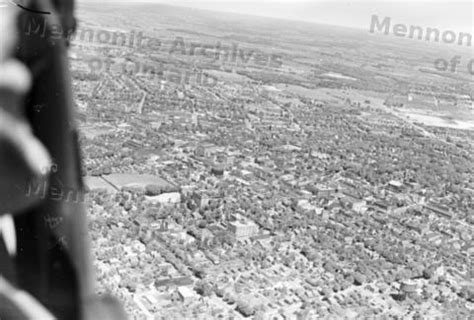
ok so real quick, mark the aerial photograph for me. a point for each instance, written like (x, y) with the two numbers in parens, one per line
(215, 159)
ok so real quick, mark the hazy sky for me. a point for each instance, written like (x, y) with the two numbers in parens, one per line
(454, 15)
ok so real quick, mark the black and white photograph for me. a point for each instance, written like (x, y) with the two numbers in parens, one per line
(229, 160)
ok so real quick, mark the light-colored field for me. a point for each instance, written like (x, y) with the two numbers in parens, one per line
(120, 180)
(335, 75)
(97, 183)
(435, 121)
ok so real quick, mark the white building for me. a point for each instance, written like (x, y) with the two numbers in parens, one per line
(185, 294)
(243, 228)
